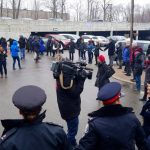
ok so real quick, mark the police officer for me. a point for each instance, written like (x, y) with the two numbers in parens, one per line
(112, 127)
(31, 133)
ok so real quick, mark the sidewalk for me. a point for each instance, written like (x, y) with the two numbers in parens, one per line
(120, 75)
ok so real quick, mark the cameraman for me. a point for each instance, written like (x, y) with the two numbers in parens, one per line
(69, 103)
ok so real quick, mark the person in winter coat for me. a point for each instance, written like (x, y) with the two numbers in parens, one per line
(147, 78)
(3, 64)
(148, 51)
(69, 103)
(145, 113)
(4, 44)
(111, 51)
(126, 59)
(49, 46)
(22, 45)
(113, 126)
(31, 133)
(36, 48)
(82, 49)
(72, 47)
(90, 49)
(15, 54)
(96, 52)
(102, 75)
(137, 74)
(119, 54)
(42, 46)
(78, 45)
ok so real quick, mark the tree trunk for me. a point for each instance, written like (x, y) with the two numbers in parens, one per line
(14, 9)
(18, 9)
(1, 8)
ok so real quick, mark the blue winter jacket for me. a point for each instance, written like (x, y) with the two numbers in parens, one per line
(14, 49)
(126, 54)
(90, 48)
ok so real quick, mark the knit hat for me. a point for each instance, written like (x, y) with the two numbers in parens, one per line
(101, 58)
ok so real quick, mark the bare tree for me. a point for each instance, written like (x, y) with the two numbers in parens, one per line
(36, 9)
(52, 5)
(1, 8)
(62, 7)
(18, 9)
(105, 5)
(15, 5)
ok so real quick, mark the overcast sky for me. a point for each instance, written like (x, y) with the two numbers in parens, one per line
(29, 3)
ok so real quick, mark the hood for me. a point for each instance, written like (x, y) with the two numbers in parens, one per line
(15, 43)
(139, 49)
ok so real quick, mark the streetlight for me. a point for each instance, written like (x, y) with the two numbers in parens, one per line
(132, 22)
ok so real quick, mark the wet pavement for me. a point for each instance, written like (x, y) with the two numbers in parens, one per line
(40, 75)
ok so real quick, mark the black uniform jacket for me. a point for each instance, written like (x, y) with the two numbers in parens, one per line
(19, 135)
(113, 128)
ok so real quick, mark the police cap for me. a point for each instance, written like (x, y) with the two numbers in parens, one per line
(109, 93)
(29, 98)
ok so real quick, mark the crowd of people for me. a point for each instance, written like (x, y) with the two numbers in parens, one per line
(113, 126)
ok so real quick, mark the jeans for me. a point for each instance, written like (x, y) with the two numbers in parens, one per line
(83, 55)
(14, 62)
(128, 68)
(111, 59)
(22, 52)
(71, 56)
(3, 66)
(72, 130)
(138, 82)
(90, 55)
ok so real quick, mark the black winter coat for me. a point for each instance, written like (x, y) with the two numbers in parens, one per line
(102, 76)
(22, 43)
(96, 51)
(111, 48)
(72, 47)
(145, 113)
(20, 135)
(113, 128)
(69, 101)
(119, 53)
(2, 57)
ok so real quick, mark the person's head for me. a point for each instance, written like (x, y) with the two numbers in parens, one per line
(110, 94)
(101, 59)
(29, 100)
(134, 45)
(148, 57)
(97, 43)
(1, 49)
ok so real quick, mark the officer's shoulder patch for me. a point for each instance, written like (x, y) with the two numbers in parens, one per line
(7, 135)
(53, 124)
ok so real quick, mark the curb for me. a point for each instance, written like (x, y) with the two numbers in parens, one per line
(123, 80)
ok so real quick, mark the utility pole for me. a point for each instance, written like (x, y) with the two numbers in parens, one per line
(1, 8)
(132, 22)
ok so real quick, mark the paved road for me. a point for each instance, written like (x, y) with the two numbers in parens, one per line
(40, 74)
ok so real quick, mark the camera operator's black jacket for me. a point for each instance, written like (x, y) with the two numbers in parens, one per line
(37, 135)
(69, 100)
(113, 128)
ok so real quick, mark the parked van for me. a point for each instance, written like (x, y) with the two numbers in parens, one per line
(141, 43)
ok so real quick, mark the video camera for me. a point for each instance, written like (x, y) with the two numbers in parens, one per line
(72, 70)
(66, 71)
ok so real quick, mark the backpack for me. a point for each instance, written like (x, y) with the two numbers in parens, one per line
(140, 57)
